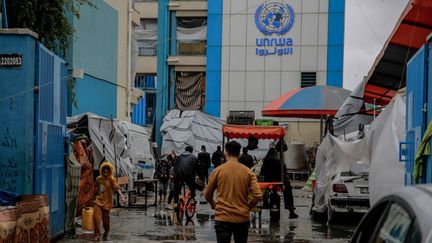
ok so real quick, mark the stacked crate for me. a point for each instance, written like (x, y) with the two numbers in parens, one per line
(241, 117)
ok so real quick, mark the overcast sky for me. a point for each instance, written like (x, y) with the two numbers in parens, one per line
(368, 23)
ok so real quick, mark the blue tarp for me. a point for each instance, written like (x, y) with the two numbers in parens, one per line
(8, 198)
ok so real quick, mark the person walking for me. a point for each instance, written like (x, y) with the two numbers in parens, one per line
(246, 158)
(186, 170)
(204, 163)
(171, 187)
(271, 171)
(163, 174)
(105, 186)
(233, 183)
(217, 157)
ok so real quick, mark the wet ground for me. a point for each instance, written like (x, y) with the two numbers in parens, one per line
(155, 225)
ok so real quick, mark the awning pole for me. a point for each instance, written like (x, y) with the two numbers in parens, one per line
(281, 157)
(321, 128)
(374, 108)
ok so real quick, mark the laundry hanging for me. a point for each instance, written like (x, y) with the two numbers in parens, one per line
(189, 91)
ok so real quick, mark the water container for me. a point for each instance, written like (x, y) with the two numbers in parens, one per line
(87, 219)
(295, 156)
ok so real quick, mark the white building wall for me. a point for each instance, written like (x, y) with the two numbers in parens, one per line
(249, 81)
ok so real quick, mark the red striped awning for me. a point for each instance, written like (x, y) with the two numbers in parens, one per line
(388, 73)
(259, 132)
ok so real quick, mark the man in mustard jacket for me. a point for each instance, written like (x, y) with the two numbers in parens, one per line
(233, 182)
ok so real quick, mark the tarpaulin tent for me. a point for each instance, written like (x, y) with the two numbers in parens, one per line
(379, 149)
(191, 127)
(122, 143)
(352, 113)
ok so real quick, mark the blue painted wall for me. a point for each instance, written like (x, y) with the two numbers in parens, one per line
(17, 104)
(214, 57)
(139, 112)
(95, 95)
(336, 25)
(162, 66)
(418, 89)
(94, 49)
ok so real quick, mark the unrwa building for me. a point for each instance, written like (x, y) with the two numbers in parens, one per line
(224, 55)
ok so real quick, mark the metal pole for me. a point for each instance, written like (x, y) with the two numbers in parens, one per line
(4, 15)
(281, 157)
(374, 111)
(129, 60)
(321, 128)
(223, 142)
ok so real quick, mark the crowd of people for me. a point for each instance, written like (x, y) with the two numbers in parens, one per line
(236, 186)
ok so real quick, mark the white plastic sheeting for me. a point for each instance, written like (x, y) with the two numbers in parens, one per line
(348, 117)
(121, 143)
(335, 155)
(379, 149)
(146, 34)
(188, 35)
(194, 128)
(388, 130)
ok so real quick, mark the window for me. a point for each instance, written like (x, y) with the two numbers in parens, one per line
(148, 24)
(396, 225)
(145, 81)
(146, 36)
(147, 47)
(151, 107)
(191, 36)
(365, 230)
(308, 79)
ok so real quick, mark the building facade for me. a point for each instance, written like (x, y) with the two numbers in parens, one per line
(94, 50)
(128, 18)
(220, 56)
(146, 64)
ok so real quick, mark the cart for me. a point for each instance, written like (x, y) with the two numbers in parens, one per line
(260, 132)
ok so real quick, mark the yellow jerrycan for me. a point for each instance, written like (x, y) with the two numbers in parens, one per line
(87, 219)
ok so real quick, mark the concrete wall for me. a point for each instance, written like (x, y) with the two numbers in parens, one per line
(94, 49)
(146, 64)
(303, 131)
(148, 10)
(123, 57)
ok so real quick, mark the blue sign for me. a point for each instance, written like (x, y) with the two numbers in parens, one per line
(274, 18)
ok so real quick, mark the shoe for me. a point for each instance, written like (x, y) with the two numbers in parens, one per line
(293, 215)
(105, 237)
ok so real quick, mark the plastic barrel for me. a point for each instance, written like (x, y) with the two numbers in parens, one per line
(295, 156)
(87, 219)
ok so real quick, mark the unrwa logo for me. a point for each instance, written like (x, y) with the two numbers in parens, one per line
(274, 18)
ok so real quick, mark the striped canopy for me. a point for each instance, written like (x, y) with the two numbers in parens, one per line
(311, 102)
